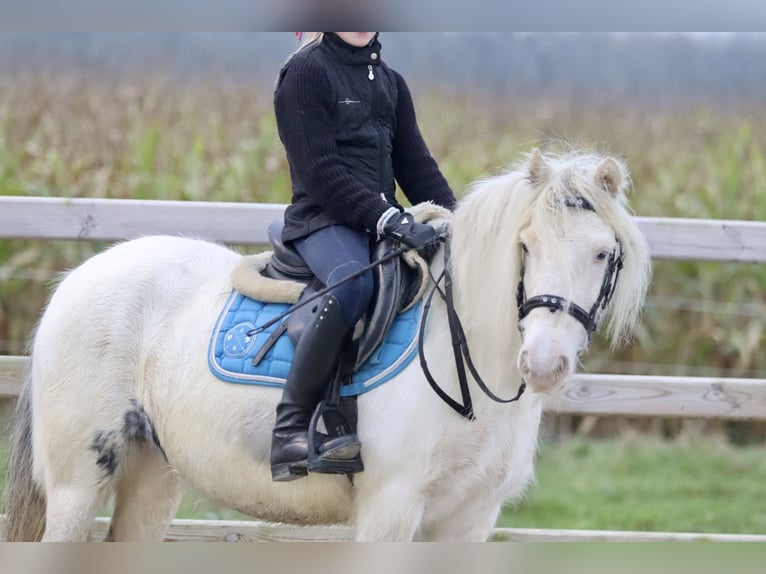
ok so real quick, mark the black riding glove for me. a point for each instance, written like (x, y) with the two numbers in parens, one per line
(403, 228)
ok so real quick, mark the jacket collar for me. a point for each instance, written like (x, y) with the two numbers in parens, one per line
(346, 54)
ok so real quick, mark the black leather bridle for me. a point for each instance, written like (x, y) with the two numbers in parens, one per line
(462, 356)
(588, 319)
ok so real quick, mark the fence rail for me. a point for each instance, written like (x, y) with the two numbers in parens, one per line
(257, 531)
(245, 224)
(627, 395)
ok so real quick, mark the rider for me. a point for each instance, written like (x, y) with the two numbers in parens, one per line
(348, 125)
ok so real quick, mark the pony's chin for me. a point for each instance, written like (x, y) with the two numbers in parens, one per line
(546, 385)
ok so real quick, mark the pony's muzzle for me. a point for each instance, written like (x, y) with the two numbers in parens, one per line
(544, 373)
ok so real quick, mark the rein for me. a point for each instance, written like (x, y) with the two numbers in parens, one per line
(460, 349)
(588, 319)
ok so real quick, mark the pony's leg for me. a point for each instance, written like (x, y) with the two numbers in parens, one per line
(147, 494)
(70, 512)
(76, 480)
(391, 513)
(471, 522)
(85, 451)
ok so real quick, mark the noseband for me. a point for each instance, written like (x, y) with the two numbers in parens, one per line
(588, 319)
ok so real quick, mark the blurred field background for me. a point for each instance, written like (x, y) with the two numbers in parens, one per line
(81, 130)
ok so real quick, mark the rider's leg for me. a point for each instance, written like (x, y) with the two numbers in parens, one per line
(332, 253)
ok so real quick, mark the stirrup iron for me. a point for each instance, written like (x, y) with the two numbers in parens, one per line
(337, 425)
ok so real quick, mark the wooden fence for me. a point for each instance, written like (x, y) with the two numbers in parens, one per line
(185, 530)
(597, 394)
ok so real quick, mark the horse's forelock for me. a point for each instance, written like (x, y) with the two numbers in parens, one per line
(576, 175)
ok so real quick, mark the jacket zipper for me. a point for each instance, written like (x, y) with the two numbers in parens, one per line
(381, 158)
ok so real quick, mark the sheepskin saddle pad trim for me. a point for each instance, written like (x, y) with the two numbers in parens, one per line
(232, 349)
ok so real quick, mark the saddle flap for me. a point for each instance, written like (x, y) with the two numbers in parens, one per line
(390, 291)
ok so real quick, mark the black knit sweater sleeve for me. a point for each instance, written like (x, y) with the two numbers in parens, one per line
(303, 106)
(415, 169)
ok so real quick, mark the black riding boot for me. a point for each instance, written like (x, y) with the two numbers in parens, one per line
(315, 362)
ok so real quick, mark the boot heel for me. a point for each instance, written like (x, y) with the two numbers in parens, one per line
(287, 471)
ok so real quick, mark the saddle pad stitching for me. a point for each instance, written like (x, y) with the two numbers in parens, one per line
(405, 357)
(217, 369)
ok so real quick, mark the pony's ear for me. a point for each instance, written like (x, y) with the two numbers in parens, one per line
(609, 176)
(538, 168)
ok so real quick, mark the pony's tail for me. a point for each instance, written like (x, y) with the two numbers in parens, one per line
(24, 500)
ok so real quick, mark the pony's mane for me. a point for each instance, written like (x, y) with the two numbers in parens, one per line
(488, 221)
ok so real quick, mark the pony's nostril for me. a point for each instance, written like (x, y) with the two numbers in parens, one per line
(524, 362)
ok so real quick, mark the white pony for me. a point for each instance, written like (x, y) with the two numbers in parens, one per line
(120, 402)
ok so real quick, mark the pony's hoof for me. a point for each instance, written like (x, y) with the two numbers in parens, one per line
(288, 471)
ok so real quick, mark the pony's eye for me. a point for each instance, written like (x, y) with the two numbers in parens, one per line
(602, 256)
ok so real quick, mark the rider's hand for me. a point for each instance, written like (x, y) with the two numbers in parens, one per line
(403, 228)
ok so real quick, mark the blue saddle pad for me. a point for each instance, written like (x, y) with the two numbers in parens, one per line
(231, 349)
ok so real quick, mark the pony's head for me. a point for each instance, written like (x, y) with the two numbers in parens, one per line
(575, 255)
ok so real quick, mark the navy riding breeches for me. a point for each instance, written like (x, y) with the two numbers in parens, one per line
(335, 252)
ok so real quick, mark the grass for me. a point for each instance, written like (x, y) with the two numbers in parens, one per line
(646, 485)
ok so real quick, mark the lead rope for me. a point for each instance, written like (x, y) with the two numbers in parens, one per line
(459, 348)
